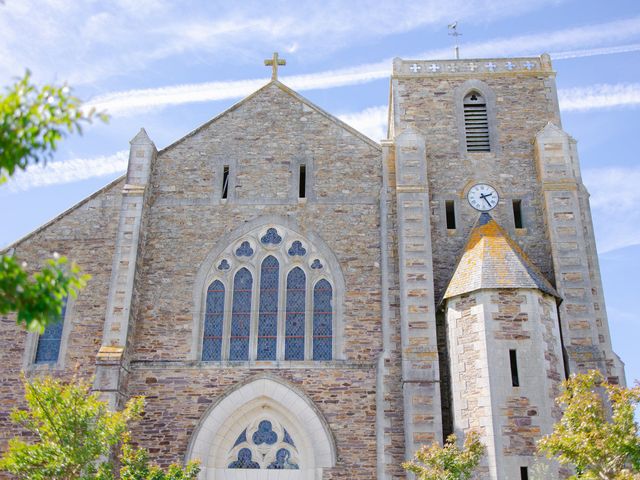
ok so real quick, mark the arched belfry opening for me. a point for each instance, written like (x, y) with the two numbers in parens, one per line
(263, 429)
(476, 122)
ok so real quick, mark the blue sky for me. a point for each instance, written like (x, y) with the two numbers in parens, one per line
(170, 66)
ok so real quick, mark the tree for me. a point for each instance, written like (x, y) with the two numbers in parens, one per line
(32, 122)
(72, 432)
(598, 434)
(449, 462)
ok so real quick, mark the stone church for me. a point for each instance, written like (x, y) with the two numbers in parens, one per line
(298, 301)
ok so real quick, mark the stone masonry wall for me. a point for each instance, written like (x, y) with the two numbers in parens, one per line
(86, 235)
(483, 327)
(263, 140)
(524, 103)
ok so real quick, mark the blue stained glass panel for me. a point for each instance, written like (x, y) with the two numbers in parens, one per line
(282, 461)
(294, 325)
(48, 348)
(287, 438)
(265, 434)
(268, 313)
(244, 460)
(214, 316)
(322, 321)
(241, 315)
(271, 237)
(297, 249)
(241, 438)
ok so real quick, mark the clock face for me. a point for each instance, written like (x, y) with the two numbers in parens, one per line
(483, 197)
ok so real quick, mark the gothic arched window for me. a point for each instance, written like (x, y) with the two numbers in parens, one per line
(322, 320)
(296, 311)
(270, 297)
(241, 315)
(268, 313)
(476, 123)
(213, 318)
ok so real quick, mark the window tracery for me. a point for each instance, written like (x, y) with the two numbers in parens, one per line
(270, 297)
(264, 444)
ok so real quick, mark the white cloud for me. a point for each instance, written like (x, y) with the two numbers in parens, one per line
(98, 40)
(599, 96)
(592, 52)
(370, 121)
(67, 171)
(615, 203)
(133, 101)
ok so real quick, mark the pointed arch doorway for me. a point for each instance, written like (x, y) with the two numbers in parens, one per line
(263, 429)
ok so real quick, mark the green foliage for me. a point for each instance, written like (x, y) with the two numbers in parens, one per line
(449, 462)
(135, 466)
(33, 120)
(73, 432)
(38, 300)
(597, 434)
(71, 429)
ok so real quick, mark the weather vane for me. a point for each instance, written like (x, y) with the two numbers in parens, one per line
(455, 34)
(273, 63)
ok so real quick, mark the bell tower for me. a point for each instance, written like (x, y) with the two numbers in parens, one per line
(485, 175)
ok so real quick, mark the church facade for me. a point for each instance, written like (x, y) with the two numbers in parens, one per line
(297, 301)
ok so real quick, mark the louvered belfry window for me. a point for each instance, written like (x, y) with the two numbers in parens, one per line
(476, 123)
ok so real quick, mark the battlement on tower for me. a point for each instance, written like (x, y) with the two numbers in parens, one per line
(473, 66)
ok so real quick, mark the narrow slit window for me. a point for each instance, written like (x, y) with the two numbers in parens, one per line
(517, 214)
(476, 123)
(450, 209)
(524, 473)
(225, 181)
(302, 182)
(515, 381)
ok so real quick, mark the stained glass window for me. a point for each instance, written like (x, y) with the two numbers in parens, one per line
(264, 445)
(269, 324)
(241, 315)
(322, 321)
(48, 348)
(294, 328)
(214, 317)
(268, 316)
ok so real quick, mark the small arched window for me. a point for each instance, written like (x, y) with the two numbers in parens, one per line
(48, 348)
(476, 123)
(270, 297)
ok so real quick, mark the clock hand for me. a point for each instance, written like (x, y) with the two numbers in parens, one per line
(484, 197)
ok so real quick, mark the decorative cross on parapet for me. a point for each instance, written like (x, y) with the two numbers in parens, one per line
(273, 63)
(415, 68)
(434, 67)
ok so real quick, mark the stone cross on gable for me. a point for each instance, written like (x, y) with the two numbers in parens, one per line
(273, 63)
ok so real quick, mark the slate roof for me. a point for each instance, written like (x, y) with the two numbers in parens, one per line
(491, 259)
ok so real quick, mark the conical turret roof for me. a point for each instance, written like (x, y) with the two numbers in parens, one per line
(491, 259)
